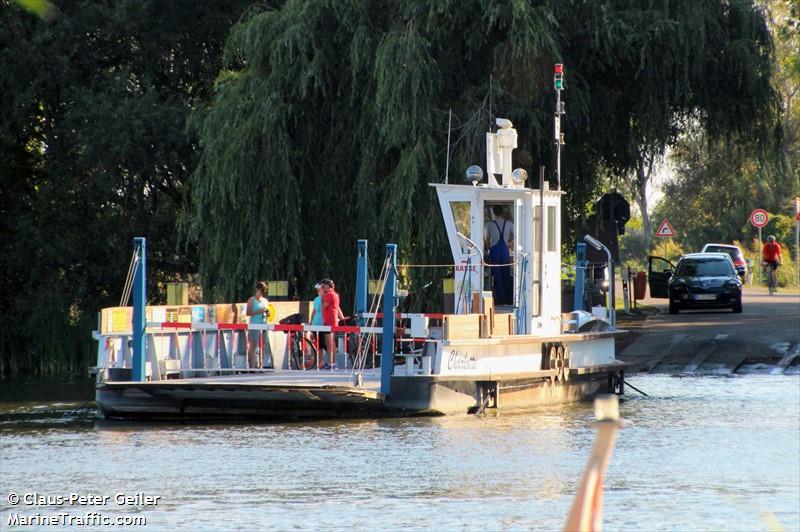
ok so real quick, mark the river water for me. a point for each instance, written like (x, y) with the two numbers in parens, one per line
(700, 453)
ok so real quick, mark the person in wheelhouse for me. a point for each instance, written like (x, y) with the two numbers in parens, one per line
(498, 240)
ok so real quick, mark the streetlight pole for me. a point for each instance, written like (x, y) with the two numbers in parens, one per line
(612, 307)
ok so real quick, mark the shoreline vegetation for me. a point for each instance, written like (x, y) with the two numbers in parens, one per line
(257, 140)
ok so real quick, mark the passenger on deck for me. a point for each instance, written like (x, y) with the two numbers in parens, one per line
(498, 237)
(331, 314)
(316, 315)
(257, 311)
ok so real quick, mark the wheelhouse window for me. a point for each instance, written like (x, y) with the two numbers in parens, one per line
(551, 228)
(462, 220)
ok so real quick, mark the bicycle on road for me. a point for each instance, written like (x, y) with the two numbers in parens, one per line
(770, 269)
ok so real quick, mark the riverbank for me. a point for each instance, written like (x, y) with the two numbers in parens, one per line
(688, 460)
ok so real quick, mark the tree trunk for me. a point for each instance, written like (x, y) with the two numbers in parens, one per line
(638, 189)
(642, 202)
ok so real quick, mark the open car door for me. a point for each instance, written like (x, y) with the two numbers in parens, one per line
(659, 270)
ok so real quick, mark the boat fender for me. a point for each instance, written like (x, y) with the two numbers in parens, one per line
(553, 362)
(559, 363)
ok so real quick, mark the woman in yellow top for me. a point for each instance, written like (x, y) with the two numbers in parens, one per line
(258, 312)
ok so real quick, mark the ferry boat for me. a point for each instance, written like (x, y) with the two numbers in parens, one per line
(187, 362)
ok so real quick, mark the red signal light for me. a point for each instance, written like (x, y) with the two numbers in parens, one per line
(559, 68)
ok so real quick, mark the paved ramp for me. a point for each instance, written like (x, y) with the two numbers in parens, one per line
(765, 338)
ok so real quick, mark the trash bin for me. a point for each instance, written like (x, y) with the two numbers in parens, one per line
(640, 285)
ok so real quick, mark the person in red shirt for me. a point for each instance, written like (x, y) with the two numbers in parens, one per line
(331, 314)
(771, 257)
(771, 252)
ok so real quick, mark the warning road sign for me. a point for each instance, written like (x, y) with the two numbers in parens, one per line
(759, 218)
(665, 229)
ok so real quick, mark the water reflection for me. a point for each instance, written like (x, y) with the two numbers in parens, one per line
(699, 453)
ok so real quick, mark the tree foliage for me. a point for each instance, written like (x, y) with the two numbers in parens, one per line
(93, 151)
(330, 117)
(319, 123)
(719, 181)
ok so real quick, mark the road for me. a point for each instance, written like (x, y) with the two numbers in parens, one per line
(765, 338)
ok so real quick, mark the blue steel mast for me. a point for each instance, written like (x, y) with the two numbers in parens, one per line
(389, 306)
(139, 302)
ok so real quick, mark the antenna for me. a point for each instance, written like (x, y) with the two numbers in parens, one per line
(447, 164)
(491, 78)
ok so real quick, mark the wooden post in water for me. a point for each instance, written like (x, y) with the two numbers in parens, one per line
(587, 510)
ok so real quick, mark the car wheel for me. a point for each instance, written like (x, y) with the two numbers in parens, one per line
(737, 307)
(673, 308)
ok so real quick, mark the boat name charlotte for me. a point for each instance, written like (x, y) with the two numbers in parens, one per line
(461, 361)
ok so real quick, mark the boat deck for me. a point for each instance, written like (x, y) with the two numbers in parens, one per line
(309, 379)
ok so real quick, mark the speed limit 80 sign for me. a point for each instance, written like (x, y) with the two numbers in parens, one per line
(759, 218)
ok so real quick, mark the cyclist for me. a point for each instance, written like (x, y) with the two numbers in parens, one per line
(771, 257)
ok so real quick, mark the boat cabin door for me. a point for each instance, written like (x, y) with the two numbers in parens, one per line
(460, 210)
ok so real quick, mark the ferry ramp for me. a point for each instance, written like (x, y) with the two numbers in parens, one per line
(765, 338)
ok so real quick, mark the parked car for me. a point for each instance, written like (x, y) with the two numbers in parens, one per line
(700, 280)
(735, 254)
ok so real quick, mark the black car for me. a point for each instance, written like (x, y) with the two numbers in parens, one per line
(700, 280)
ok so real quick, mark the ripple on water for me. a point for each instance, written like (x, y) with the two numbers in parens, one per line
(700, 453)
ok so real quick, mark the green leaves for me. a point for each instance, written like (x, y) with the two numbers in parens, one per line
(271, 142)
(93, 150)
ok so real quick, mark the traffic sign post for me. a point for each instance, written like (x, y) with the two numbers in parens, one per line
(665, 230)
(759, 218)
(797, 241)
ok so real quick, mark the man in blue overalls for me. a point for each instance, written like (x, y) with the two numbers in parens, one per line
(499, 239)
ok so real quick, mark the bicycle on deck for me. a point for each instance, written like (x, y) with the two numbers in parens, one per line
(302, 348)
(305, 353)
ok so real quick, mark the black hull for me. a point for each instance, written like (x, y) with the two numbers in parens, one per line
(411, 396)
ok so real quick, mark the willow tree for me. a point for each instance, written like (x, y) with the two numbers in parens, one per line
(330, 117)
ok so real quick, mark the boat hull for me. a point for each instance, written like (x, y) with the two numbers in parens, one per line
(269, 397)
(466, 395)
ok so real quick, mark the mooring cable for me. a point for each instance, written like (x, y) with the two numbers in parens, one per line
(635, 388)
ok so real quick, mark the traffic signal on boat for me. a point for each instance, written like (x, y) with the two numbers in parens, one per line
(558, 77)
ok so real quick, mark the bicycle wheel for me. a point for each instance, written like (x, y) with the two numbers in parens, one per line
(309, 354)
(295, 359)
(351, 348)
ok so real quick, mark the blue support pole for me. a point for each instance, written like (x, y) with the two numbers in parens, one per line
(389, 305)
(580, 276)
(362, 286)
(139, 302)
